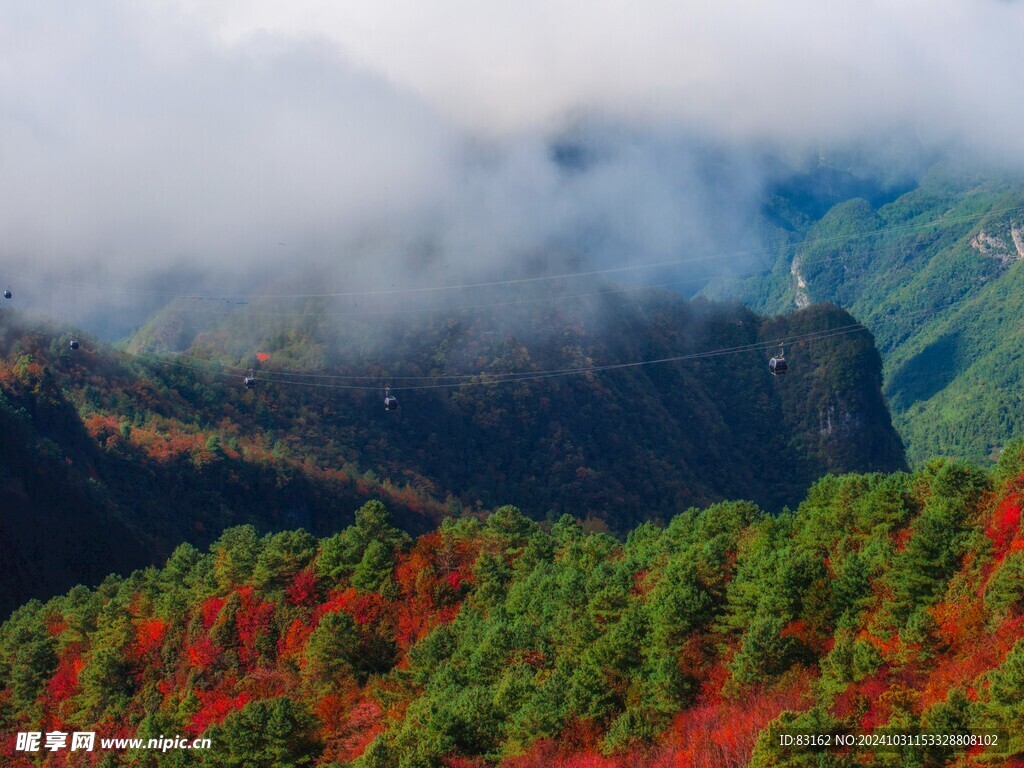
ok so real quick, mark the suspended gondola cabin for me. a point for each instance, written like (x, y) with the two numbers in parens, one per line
(74, 344)
(390, 401)
(777, 365)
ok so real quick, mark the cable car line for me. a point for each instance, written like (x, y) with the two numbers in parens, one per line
(300, 378)
(439, 381)
(283, 376)
(485, 379)
(524, 280)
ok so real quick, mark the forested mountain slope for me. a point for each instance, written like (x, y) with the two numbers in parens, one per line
(169, 449)
(936, 275)
(108, 466)
(642, 440)
(884, 604)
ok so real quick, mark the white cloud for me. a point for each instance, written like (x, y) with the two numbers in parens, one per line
(797, 69)
(139, 137)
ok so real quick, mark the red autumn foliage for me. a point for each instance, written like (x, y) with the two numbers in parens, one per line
(796, 629)
(977, 655)
(883, 647)
(101, 428)
(364, 607)
(304, 589)
(1005, 525)
(202, 653)
(209, 610)
(214, 706)
(859, 697)
(902, 538)
(640, 585)
(352, 720)
(253, 618)
(431, 579)
(149, 636)
(720, 733)
(458, 761)
(454, 580)
(959, 621)
(64, 682)
(581, 734)
(347, 600)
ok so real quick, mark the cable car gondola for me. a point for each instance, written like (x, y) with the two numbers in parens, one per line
(250, 380)
(390, 401)
(73, 344)
(7, 293)
(777, 365)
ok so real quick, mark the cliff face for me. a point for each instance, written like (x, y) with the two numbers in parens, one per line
(936, 273)
(837, 418)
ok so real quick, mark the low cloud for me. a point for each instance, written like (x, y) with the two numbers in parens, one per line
(195, 147)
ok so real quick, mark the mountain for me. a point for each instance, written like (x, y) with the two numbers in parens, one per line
(936, 274)
(641, 440)
(165, 449)
(885, 604)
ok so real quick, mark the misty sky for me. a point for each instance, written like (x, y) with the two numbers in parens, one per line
(185, 145)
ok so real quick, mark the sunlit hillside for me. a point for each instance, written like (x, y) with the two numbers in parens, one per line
(884, 604)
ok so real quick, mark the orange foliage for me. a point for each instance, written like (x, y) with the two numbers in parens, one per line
(959, 621)
(55, 626)
(580, 735)
(431, 578)
(902, 537)
(169, 446)
(352, 721)
(884, 648)
(149, 636)
(202, 653)
(293, 642)
(365, 608)
(100, 428)
(640, 585)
